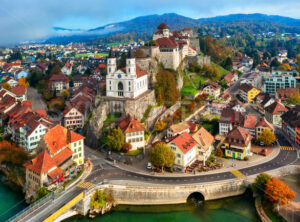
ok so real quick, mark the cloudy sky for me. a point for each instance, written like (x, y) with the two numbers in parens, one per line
(22, 20)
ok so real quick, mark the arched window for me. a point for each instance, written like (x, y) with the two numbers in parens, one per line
(120, 89)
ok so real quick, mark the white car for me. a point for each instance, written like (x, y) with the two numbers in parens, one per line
(149, 166)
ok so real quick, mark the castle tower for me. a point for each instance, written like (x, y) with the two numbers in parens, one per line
(111, 62)
(130, 63)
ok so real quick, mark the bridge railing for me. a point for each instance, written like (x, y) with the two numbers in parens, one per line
(34, 206)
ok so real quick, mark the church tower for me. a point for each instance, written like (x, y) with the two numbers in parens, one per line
(130, 63)
(111, 62)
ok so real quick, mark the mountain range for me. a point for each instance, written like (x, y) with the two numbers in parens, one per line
(148, 24)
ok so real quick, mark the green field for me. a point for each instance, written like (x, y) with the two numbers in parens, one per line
(188, 87)
(197, 79)
(82, 55)
(222, 70)
(102, 54)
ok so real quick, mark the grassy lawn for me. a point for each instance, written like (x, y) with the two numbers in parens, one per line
(222, 70)
(134, 152)
(112, 117)
(197, 79)
(103, 54)
(188, 87)
(82, 55)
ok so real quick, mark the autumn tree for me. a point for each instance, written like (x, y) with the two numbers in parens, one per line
(162, 156)
(126, 147)
(294, 99)
(6, 86)
(259, 185)
(166, 88)
(55, 70)
(278, 193)
(267, 137)
(23, 82)
(11, 153)
(65, 94)
(285, 67)
(159, 126)
(219, 152)
(115, 140)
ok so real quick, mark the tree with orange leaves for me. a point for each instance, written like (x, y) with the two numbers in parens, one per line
(6, 86)
(11, 153)
(278, 193)
(23, 82)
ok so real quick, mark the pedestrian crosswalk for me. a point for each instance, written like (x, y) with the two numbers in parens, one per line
(237, 174)
(287, 148)
(86, 185)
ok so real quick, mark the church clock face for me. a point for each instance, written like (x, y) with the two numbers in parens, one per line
(119, 76)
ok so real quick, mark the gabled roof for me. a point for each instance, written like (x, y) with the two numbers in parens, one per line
(18, 90)
(166, 43)
(57, 138)
(179, 127)
(238, 136)
(58, 78)
(264, 123)
(40, 164)
(129, 124)
(246, 87)
(213, 85)
(184, 142)
(276, 108)
(250, 121)
(203, 138)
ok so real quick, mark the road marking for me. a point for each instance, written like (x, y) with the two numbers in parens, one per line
(287, 148)
(85, 185)
(237, 173)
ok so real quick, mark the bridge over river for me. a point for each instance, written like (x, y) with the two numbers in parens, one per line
(135, 188)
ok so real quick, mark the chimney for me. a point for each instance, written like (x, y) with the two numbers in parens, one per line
(68, 136)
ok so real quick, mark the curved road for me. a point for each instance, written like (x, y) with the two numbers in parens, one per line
(285, 157)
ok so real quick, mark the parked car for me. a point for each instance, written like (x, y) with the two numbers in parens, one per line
(149, 166)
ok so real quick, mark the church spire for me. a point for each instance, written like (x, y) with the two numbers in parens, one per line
(130, 54)
(111, 54)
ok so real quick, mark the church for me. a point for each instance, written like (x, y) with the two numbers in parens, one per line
(128, 82)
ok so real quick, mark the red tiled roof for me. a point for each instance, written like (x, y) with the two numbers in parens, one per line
(58, 78)
(62, 156)
(55, 173)
(41, 112)
(27, 103)
(264, 123)
(240, 135)
(250, 121)
(166, 43)
(276, 108)
(18, 90)
(41, 163)
(129, 124)
(184, 142)
(162, 26)
(56, 138)
(203, 138)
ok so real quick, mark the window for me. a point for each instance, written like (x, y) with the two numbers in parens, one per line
(178, 155)
(178, 161)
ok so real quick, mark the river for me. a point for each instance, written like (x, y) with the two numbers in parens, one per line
(234, 209)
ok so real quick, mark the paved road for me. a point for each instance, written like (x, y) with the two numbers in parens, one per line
(36, 99)
(102, 171)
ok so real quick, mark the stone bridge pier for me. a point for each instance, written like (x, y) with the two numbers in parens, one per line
(150, 194)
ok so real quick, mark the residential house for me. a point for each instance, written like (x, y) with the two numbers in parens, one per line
(20, 92)
(291, 125)
(248, 92)
(67, 69)
(284, 94)
(58, 150)
(228, 120)
(58, 83)
(250, 124)
(231, 78)
(185, 149)
(237, 144)
(262, 101)
(178, 128)
(133, 131)
(262, 125)
(205, 144)
(11, 81)
(212, 89)
(217, 106)
(274, 111)
(252, 78)
(77, 81)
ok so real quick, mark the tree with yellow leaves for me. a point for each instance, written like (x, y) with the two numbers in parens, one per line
(285, 67)
(6, 86)
(23, 82)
